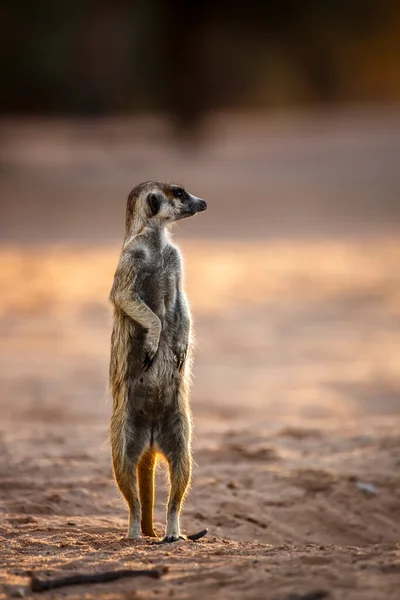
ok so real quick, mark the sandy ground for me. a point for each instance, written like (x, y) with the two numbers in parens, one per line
(296, 402)
(293, 275)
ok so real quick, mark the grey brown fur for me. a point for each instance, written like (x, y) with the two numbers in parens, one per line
(150, 356)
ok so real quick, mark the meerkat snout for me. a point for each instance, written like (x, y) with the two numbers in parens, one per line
(201, 205)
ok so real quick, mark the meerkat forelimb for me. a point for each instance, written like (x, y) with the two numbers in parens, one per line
(150, 357)
(130, 303)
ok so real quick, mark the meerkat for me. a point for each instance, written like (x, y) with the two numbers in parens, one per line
(151, 357)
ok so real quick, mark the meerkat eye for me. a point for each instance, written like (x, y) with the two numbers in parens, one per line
(179, 193)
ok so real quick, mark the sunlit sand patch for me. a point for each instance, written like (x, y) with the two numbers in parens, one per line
(219, 275)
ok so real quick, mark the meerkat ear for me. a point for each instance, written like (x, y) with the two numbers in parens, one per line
(154, 201)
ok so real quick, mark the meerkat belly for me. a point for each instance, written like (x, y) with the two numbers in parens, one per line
(158, 291)
(165, 359)
(147, 391)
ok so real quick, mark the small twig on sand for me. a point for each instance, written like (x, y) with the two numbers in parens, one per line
(313, 595)
(42, 585)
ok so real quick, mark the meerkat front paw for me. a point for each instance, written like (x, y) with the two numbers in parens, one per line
(181, 355)
(151, 343)
(150, 350)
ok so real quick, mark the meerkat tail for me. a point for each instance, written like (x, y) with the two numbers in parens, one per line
(146, 469)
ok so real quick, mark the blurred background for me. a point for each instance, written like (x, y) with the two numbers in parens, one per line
(285, 117)
(291, 108)
(94, 58)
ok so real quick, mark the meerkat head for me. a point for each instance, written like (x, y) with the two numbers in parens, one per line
(156, 203)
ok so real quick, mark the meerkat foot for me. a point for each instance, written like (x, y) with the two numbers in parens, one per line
(132, 535)
(168, 539)
(133, 532)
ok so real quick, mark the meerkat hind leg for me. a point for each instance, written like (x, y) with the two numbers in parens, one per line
(126, 478)
(179, 476)
(125, 460)
(179, 462)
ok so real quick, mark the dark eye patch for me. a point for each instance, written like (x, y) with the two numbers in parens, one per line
(180, 194)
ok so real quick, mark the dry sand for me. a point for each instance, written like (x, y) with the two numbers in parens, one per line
(295, 397)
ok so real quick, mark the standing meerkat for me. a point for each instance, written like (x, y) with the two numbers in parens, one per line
(150, 356)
